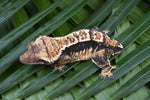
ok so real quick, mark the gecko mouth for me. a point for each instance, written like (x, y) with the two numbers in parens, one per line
(25, 59)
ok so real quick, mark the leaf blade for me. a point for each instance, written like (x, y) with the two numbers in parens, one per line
(50, 26)
(17, 77)
(10, 9)
(36, 89)
(134, 83)
(100, 14)
(131, 59)
(45, 78)
(52, 94)
(64, 86)
(140, 27)
(119, 15)
(13, 35)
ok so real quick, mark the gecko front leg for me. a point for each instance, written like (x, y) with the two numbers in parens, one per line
(100, 58)
(59, 67)
(60, 64)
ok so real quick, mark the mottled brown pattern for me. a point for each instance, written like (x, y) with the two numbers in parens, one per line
(81, 55)
(79, 45)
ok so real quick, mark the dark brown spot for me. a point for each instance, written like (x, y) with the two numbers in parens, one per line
(90, 33)
(34, 49)
(66, 42)
(52, 43)
(77, 37)
(106, 66)
(73, 40)
(69, 38)
(103, 32)
(99, 60)
(43, 41)
(45, 47)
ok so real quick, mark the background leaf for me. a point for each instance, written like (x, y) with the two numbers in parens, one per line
(58, 89)
(129, 62)
(25, 20)
(10, 9)
(100, 14)
(13, 35)
(45, 78)
(136, 82)
(31, 87)
(6, 61)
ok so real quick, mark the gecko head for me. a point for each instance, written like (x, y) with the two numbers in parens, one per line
(30, 56)
(117, 48)
(114, 45)
(35, 53)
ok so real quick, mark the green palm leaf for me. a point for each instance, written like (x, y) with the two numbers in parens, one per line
(45, 79)
(80, 80)
(119, 15)
(13, 35)
(50, 26)
(136, 82)
(8, 10)
(99, 15)
(91, 68)
(129, 62)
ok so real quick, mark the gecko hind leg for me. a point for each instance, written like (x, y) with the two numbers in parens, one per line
(100, 58)
(106, 71)
(59, 67)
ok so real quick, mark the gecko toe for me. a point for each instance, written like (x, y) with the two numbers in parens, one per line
(102, 76)
(53, 70)
(61, 71)
(111, 77)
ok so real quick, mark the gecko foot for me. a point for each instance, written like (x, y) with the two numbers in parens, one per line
(107, 72)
